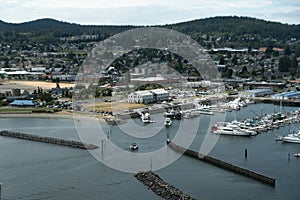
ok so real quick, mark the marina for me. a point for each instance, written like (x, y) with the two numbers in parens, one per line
(60, 166)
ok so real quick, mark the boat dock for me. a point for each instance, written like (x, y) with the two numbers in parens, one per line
(51, 140)
(222, 164)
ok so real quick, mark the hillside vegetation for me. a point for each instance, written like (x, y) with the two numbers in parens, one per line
(216, 31)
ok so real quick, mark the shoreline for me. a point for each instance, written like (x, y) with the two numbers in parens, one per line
(71, 116)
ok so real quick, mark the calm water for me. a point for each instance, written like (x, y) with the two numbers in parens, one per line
(32, 170)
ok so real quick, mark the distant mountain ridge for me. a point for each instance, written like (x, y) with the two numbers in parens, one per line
(239, 26)
(47, 24)
(221, 26)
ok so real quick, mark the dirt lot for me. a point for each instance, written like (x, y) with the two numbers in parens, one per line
(111, 106)
(30, 85)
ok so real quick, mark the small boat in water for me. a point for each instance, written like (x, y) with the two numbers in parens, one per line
(174, 114)
(146, 118)
(297, 155)
(170, 113)
(168, 121)
(134, 146)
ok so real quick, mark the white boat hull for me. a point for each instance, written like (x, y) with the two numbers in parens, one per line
(290, 140)
(234, 132)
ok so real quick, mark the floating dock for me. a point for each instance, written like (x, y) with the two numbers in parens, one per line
(222, 164)
(161, 188)
(57, 141)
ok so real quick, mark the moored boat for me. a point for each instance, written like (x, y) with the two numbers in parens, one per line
(223, 129)
(146, 118)
(291, 138)
(168, 121)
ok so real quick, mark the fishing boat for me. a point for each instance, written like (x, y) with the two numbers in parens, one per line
(297, 155)
(168, 121)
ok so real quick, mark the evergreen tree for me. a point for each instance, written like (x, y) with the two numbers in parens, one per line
(283, 64)
(287, 51)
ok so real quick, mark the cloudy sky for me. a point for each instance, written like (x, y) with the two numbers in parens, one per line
(146, 12)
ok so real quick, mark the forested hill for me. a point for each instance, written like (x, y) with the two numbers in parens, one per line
(228, 30)
(59, 29)
(239, 26)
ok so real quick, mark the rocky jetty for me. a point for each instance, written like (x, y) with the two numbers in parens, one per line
(161, 188)
(58, 141)
(225, 165)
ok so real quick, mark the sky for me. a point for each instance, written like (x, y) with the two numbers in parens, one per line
(146, 12)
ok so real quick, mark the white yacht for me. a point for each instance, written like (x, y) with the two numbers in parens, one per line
(291, 138)
(168, 121)
(223, 129)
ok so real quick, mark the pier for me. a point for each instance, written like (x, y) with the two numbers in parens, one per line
(222, 164)
(161, 188)
(50, 140)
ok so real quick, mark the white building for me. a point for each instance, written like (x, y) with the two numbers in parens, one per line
(151, 96)
(141, 97)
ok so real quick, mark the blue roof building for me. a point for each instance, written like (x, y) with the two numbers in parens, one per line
(23, 103)
(287, 95)
(256, 93)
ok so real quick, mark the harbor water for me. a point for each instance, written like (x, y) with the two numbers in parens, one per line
(32, 170)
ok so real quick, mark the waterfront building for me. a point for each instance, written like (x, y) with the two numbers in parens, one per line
(160, 95)
(148, 96)
(263, 84)
(141, 97)
(256, 93)
(286, 95)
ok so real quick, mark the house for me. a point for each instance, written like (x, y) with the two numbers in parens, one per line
(60, 91)
(23, 103)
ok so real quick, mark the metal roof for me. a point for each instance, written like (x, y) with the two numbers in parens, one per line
(23, 103)
(259, 90)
